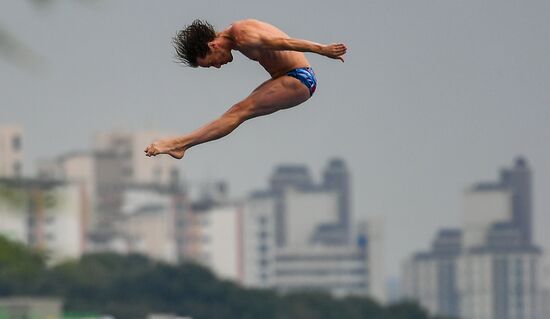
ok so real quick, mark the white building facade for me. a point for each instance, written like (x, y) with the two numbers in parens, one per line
(259, 243)
(11, 151)
(341, 271)
(137, 168)
(499, 284)
(50, 216)
(545, 283)
(483, 208)
(496, 270)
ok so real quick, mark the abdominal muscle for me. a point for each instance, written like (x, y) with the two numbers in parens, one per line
(278, 63)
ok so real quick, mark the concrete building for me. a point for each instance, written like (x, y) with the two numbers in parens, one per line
(545, 287)
(483, 207)
(497, 272)
(284, 237)
(372, 231)
(213, 237)
(519, 180)
(222, 241)
(138, 169)
(49, 216)
(259, 241)
(296, 178)
(336, 178)
(499, 283)
(302, 264)
(341, 271)
(306, 212)
(11, 151)
(431, 277)
(109, 172)
(102, 177)
(149, 222)
(297, 235)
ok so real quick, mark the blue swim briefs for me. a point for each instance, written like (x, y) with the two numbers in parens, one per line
(306, 76)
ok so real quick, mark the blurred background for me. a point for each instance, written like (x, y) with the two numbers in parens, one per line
(414, 184)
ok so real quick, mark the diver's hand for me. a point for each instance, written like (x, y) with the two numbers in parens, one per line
(334, 51)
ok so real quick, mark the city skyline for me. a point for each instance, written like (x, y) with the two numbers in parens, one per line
(431, 97)
(496, 210)
(296, 235)
(307, 181)
(489, 267)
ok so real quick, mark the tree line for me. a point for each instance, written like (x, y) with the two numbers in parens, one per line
(133, 286)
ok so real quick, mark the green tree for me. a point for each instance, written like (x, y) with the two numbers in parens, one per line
(406, 310)
(133, 286)
(20, 268)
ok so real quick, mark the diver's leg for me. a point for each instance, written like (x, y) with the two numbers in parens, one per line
(271, 96)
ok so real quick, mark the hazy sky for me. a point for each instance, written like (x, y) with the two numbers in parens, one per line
(433, 96)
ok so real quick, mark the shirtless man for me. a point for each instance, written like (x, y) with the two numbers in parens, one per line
(292, 80)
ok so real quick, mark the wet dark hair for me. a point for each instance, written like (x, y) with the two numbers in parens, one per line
(192, 42)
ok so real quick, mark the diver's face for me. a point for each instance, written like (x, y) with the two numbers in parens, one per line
(216, 57)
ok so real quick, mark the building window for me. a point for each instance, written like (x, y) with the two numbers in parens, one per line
(174, 175)
(50, 220)
(262, 249)
(262, 220)
(157, 173)
(16, 143)
(50, 237)
(17, 168)
(127, 172)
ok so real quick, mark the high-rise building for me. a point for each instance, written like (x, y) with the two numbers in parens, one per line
(545, 289)
(11, 151)
(136, 167)
(287, 176)
(297, 236)
(518, 180)
(483, 207)
(371, 233)
(431, 277)
(496, 272)
(341, 271)
(259, 240)
(149, 222)
(222, 241)
(279, 238)
(306, 213)
(48, 215)
(499, 283)
(350, 269)
(115, 165)
(297, 178)
(102, 177)
(336, 178)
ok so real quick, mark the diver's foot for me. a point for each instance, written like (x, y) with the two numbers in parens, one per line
(165, 147)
